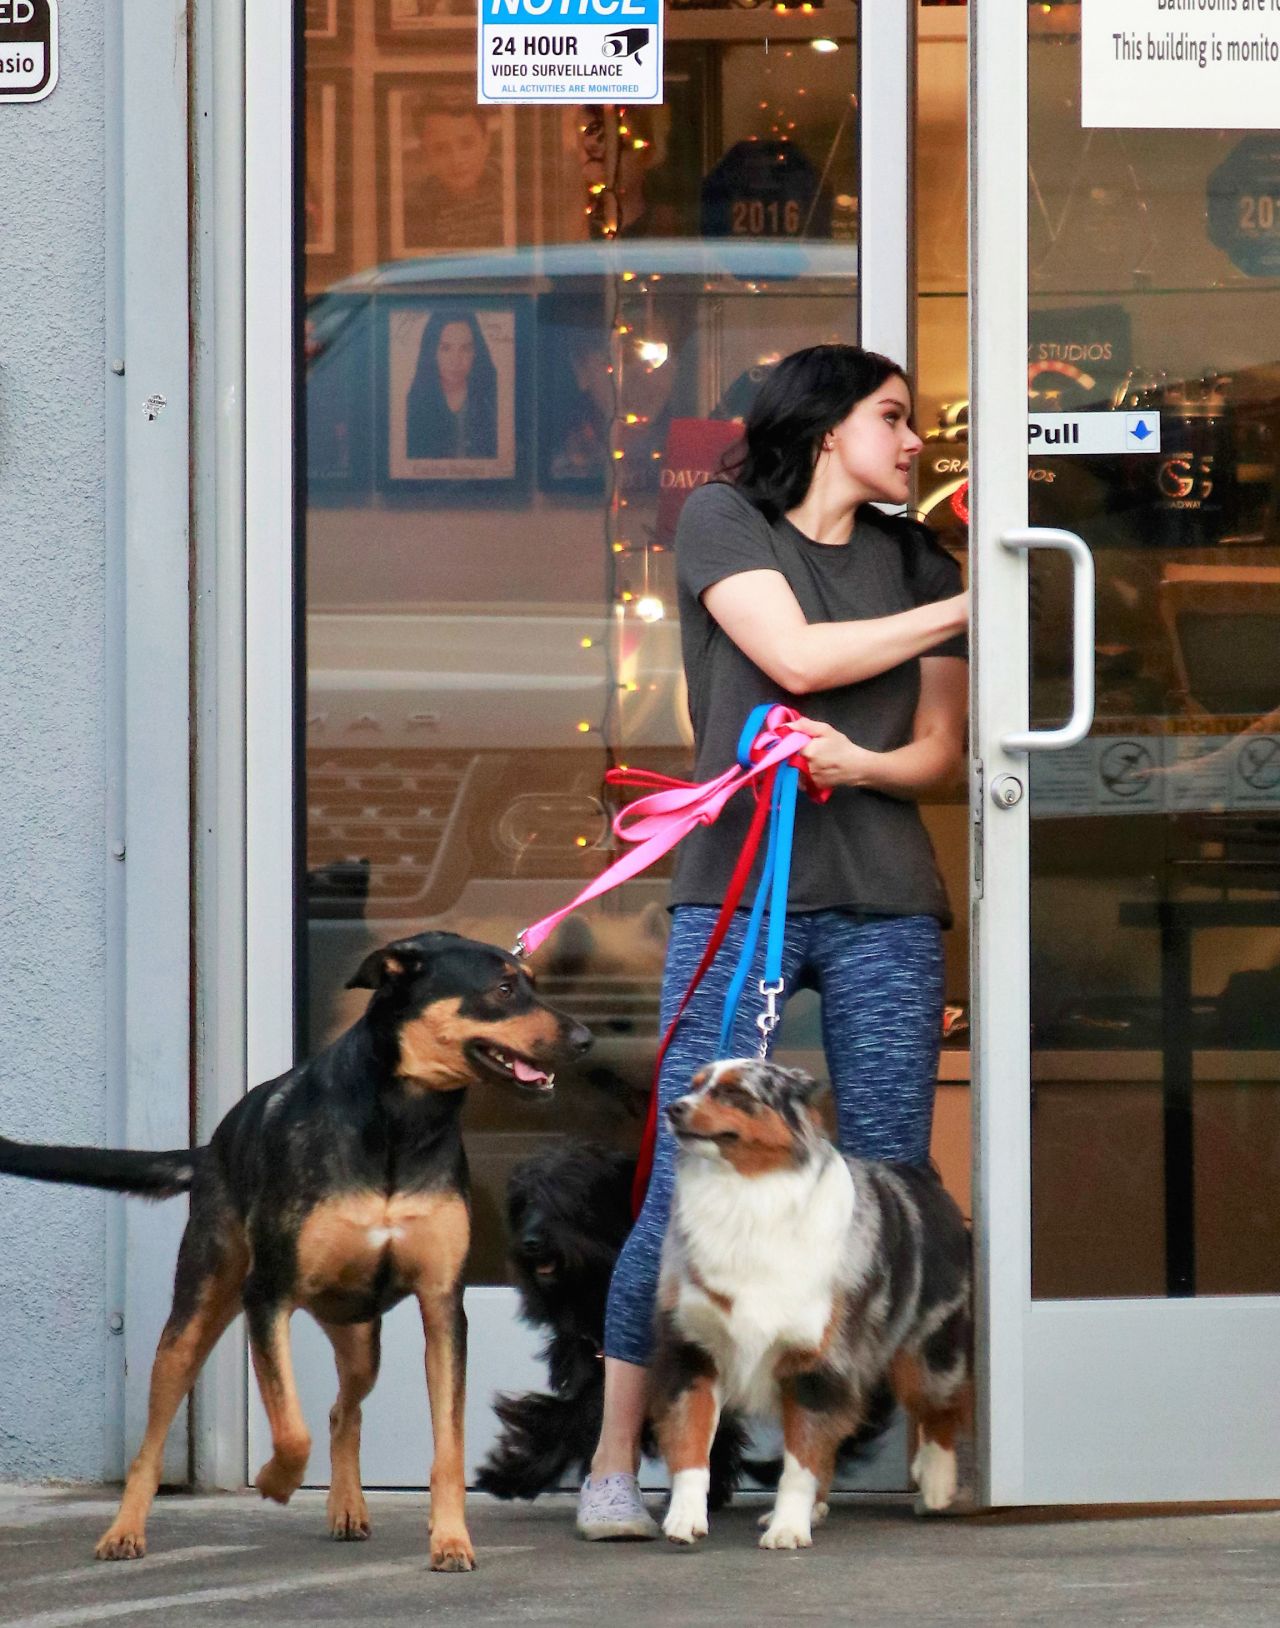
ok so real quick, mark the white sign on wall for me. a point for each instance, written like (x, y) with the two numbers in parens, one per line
(1180, 64)
(28, 49)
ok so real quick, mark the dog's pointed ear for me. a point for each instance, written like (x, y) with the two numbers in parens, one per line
(803, 1086)
(392, 961)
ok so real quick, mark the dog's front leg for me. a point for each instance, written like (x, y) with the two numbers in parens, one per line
(267, 1316)
(686, 1429)
(444, 1324)
(809, 1443)
(357, 1350)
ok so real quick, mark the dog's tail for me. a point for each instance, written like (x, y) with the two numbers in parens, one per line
(118, 1170)
(543, 1438)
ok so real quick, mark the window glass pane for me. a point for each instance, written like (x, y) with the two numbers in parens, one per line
(1155, 861)
(529, 331)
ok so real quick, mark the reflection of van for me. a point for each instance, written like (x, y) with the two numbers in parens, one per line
(472, 669)
(446, 748)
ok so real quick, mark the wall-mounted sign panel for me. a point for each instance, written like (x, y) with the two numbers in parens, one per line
(1179, 64)
(28, 49)
(1057, 435)
(570, 51)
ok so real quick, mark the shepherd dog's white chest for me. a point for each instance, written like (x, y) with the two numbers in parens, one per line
(761, 1260)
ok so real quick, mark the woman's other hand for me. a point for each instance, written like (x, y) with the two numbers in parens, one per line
(832, 759)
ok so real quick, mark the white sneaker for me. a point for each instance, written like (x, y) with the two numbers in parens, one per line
(611, 1508)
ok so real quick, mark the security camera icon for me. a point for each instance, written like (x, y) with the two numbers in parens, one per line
(627, 42)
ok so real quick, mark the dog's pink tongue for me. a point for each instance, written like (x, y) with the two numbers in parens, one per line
(531, 1076)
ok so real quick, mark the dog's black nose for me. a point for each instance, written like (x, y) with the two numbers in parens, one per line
(678, 1112)
(531, 1241)
(580, 1039)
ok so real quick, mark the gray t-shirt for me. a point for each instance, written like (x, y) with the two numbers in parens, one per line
(862, 851)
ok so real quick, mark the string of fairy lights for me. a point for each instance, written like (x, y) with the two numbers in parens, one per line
(636, 586)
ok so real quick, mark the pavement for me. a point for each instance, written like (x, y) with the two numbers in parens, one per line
(230, 1559)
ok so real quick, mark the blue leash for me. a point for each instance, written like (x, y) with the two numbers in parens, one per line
(771, 894)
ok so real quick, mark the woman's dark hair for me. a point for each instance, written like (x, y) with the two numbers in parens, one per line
(804, 397)
(432, 430)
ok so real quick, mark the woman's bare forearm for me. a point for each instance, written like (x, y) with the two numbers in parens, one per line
(760, 613)
(828, 654)
(930, 764)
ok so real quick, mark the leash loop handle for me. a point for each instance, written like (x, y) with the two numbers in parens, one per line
(653, 825)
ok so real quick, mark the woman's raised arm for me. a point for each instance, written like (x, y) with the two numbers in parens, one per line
(760, 613)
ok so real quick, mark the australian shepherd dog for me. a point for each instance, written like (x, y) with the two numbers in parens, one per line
(794, 1281)
(568, 1216)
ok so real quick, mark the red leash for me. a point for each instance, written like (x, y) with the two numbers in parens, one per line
(654, 824)
(733, 894)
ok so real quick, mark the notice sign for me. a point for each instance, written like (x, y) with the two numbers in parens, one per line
(1179, 64)
(570, 50)
(28, 49)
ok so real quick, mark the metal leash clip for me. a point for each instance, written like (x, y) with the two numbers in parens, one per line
(518, 950)
(769, 1019)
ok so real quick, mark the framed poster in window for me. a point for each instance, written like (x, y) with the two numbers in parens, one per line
(447, 167)
(327, 179)
(326, 24)
(338, 354)
(450, 388)
(410, 23)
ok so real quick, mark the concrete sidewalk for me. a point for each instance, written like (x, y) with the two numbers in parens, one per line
(233, 1560)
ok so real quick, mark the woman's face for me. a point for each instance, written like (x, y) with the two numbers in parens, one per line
(455, 354)
(875, 445)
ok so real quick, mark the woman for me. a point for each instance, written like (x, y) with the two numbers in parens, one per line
(452, 407)
(793, 588)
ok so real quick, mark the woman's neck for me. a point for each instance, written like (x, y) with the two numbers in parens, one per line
(827, 521)
(825, 513)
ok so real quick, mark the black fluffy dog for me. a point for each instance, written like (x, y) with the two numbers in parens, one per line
(569, 1213)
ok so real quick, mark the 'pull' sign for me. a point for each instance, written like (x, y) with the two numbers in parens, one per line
(28, 49)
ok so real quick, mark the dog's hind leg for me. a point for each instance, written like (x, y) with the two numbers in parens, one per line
(268, 1318)
(206, 1296)
(357, 1350)
(939, 1404)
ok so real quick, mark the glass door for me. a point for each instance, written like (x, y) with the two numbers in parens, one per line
(529, 332)
(1126, 917)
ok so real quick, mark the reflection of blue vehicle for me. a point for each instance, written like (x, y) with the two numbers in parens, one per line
(709, 259)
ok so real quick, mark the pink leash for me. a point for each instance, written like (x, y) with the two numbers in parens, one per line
(654, 824)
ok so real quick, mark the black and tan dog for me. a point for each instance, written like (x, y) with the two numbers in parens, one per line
(340, 1187)
(794, 1282)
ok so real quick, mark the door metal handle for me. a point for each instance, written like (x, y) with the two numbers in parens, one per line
(1082, 640)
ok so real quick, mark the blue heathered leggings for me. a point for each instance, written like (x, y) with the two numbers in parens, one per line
(880, 979)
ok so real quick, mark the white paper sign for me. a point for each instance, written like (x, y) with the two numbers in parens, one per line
(1180, 64)
(1056, 435)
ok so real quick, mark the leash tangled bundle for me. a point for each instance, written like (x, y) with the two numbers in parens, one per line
(768, 749)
